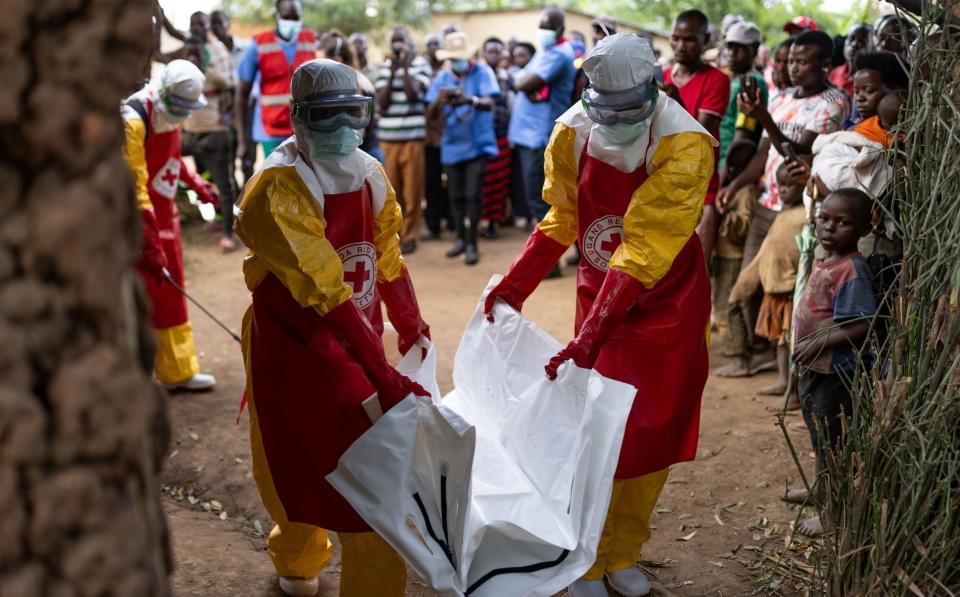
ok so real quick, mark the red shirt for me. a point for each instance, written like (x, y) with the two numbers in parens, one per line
(841, 79)
(708, 90)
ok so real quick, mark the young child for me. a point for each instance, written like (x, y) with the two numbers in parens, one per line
(832, 320)
(775, 269)
(879, 74)
(731, 236)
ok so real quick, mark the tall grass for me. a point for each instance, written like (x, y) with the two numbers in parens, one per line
(893, 495)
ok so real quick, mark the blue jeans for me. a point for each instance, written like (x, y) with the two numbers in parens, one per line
(531, 164)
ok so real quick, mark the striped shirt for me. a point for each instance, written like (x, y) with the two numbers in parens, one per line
(404, 120)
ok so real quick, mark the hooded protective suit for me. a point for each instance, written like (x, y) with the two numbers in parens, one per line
(321, 222)
(626, 174)
(151, 120)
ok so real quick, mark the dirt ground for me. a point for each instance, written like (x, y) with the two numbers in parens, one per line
(712, 517)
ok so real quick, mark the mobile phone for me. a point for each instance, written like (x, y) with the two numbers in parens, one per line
(749, 86)
(789, 151)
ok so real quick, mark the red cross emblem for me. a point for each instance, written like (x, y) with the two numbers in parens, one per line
(358, 277)
(609, 246)
(165, 180)
(601, 239)
(360, 271)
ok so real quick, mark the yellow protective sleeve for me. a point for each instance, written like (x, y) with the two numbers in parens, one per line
(561, 177)
(284, 230)
(176, 354)
(386, 225)
(664, 211)
(134, 132)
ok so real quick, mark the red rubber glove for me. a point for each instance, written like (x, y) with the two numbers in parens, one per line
(617, 295)
(206, 191)
(361, 342)
(403, 311)
(152, 257)
(537, 257)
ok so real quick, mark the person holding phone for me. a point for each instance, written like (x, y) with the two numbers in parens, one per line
(465, 91)
(401, 85)
(797, 116)
(742, 43)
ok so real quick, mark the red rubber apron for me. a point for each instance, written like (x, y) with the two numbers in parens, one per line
(307, 390)
(660, 348)
(162, 151)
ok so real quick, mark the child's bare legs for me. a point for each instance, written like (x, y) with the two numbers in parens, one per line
(783, 368)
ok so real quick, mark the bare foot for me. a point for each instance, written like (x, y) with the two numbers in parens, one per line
(789, 402)
(795, 496)
(764, 361)
(800, 425)
(811, 527)
(776, 389)
(737, 367)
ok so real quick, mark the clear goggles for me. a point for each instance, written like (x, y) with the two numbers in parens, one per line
(326, 112)
(629, 106)
(179, 106)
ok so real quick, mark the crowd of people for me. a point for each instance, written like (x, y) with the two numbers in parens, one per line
(758, 164)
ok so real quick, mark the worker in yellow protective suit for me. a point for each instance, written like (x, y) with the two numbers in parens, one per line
(151, 122)
(626, 173)
(321, 222)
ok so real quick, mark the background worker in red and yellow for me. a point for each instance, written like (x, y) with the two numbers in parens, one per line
(151, 123)
(321, 222)
(626, 173)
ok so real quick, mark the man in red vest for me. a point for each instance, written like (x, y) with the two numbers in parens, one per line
(271, 60)
(152, 118)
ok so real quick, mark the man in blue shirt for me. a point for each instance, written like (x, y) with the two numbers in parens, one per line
(464, 91)
(544, 88)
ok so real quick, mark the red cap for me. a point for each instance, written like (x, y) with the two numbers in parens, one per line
(800, 22)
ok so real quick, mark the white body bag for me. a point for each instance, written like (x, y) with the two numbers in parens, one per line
(501, 488)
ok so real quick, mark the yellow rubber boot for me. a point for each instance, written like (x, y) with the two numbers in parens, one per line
(370, 567)
(627, 526)
(176, 354)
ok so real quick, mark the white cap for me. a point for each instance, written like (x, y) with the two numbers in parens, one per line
(619, 62)
(184, 81)
(323, 76)
(729, 20)
(743, 32)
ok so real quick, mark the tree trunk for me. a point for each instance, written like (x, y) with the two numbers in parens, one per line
(82, 426)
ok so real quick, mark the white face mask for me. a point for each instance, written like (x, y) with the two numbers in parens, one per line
(163, 120)
(546, 37)
(624, 134)
(287, 28)
(336, 145)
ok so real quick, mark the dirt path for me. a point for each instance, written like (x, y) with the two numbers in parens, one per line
(217, 521)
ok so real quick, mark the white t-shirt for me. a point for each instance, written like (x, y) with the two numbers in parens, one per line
(822, 113)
